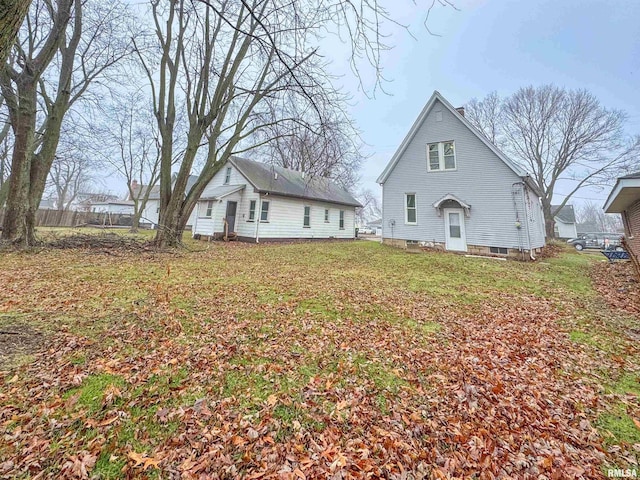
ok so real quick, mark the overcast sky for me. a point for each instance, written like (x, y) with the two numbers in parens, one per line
(502, 45)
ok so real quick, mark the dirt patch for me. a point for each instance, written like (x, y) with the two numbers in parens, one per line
(17, 341)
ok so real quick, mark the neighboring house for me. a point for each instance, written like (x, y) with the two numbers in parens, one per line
(84, 200)
(260, 202)
(565, 222)
(376, 226)
(116, 207)
(625, 199)
(151, 211)
(448, 186)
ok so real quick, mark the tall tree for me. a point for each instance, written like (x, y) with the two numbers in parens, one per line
(64, 47)
(557, 134)
(325, 145)
(224, 65)
(370, 207)
(130, 143)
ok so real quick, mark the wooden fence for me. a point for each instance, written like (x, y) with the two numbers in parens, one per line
(57, 218)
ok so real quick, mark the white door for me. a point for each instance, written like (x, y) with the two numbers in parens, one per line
(454, 229)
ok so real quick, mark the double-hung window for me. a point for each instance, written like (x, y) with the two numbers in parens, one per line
(227, 176)
(411, 210)
(326, 215)
(441, 156)
(252, 210)
(306, 222)
(264, 212)
(341, 219)
(209, 209)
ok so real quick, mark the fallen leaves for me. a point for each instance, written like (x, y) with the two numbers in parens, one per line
(143, 460)
(300, 362)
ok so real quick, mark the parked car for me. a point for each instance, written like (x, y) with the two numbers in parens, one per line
(597, 240)
(366, 230)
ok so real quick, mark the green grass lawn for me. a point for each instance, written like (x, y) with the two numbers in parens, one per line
(306, 360)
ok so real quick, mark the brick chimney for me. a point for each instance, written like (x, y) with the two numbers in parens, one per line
(460, 110)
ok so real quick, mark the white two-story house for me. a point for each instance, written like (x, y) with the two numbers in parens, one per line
(448, 186)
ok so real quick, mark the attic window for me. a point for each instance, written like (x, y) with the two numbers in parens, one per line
(227, 177)
(441, 156)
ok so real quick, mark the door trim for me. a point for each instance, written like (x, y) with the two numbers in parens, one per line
(463, 228)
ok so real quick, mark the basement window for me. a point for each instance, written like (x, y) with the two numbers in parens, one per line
(499, 250)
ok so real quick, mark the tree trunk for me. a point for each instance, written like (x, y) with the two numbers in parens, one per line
(16, 227)
(12, 14)
(549, 223)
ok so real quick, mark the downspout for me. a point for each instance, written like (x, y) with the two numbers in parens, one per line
(514, 193)
(526, 218)
(258, 214)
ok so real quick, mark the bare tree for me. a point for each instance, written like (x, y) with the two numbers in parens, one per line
(370, 207)
(226, 64)
(591, 217)
(557, 134)
(486, 115)
(64, 47)
(130, 143)
(72, 170)
(329, 148)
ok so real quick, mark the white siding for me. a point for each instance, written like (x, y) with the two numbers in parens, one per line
(286, 216)
(112, 208)
(150, 213)
(566, 230)
(481, 180)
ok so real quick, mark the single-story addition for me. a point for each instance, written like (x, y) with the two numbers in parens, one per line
(448, 186)
(625, 199)
(260, 202)
(565, 222)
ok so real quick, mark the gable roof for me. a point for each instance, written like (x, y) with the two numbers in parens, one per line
(420, 120)
(631, 176)
(291, 183)
(566, 214)
(222, 191)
